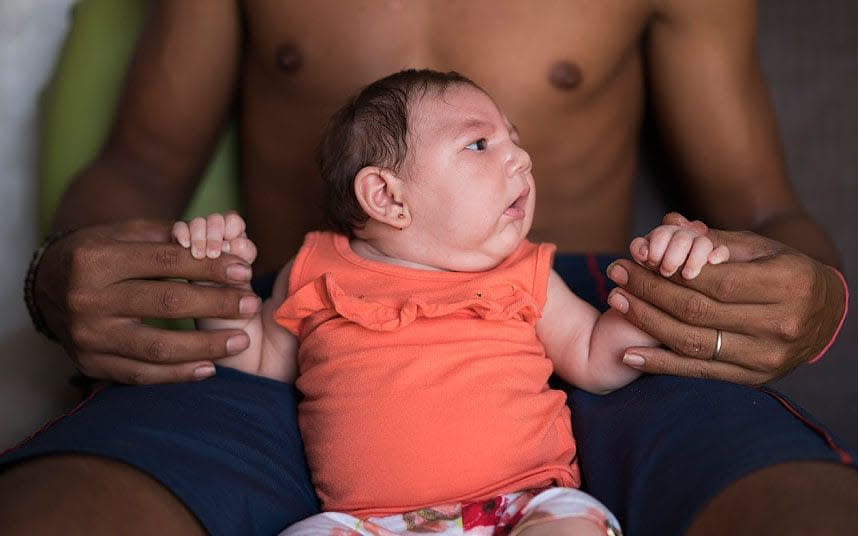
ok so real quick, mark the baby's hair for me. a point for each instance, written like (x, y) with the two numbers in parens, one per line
(372, 130)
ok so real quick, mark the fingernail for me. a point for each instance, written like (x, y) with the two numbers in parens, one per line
(237, 343)
(203, 372)
(617, 273)
(239, 273)
(248, 305)
(618, 301)
(634, 360)
(643, 251)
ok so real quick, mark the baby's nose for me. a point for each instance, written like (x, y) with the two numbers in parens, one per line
(518, 162)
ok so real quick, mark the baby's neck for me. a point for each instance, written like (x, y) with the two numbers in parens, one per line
(367, 250)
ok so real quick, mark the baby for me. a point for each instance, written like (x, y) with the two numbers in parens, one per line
(423, 329)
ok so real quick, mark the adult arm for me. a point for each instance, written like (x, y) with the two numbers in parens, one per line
(783, 303)
(94, 286)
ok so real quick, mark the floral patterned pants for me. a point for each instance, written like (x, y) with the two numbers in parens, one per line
(506, 514)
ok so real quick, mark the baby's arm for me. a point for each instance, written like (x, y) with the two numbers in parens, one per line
(272, 350)
(587, 348)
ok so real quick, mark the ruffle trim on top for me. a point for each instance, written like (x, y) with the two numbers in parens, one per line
(498, 302)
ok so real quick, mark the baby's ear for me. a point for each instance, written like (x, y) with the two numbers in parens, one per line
(379, 193)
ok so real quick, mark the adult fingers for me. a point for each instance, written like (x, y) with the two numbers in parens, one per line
(175, 299)
(744, 246)
(129, 371)
(750, 283)
(739, 282)
(677, 219)
(696, 341)
(664, 361)
(136, 230)
(157, 261)
(136, 341)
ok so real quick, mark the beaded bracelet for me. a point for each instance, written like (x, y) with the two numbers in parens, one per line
(30, 284)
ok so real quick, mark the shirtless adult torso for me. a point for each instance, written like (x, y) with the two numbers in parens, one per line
(569, 75)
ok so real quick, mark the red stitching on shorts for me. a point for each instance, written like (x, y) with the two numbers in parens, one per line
(598, 278)
(845, 457)
(50, 423)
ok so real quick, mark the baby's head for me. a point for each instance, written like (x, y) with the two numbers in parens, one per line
(424, 166)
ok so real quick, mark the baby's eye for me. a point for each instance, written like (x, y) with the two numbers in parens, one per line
(479, 145)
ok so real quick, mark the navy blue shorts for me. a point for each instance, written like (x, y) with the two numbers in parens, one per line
(654, 452)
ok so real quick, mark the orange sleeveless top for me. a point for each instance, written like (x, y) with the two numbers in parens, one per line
(420, 387)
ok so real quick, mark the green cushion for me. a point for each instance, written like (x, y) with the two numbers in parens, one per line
(78, 102)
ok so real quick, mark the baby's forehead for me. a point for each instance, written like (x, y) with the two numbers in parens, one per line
(443, 113)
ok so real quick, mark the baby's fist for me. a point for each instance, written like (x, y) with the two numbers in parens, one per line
(670, 247)
(216, 233)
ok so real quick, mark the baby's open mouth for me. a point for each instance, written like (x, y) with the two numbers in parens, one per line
(517, 209)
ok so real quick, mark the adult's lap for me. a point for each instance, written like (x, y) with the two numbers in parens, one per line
(228, 447)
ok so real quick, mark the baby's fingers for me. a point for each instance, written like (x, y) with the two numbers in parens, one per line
(241, 247)
(676, 252)
(697, 257)
(719, 255)
(182, 234)
(234, 225)
(215, 227)
(197, 227)
(660, 239)
(639, 249)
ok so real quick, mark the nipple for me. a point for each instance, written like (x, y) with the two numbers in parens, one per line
(289, 58)
(565, 75)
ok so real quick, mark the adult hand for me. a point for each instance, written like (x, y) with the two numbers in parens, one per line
(776, 308)
(94, 287)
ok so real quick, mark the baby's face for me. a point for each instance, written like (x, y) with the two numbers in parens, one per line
(469, 184)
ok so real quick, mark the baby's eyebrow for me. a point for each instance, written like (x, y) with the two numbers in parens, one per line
(471, 125)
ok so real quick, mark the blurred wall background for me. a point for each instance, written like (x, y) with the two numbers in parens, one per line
(33, 372)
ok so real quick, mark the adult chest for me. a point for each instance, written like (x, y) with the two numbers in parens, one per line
(561, 52)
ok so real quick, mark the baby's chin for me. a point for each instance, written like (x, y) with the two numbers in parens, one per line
(477, 266)
(479, 261)
(474, 256)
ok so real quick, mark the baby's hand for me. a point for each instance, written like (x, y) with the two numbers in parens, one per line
(209, 236)
(670, 247)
